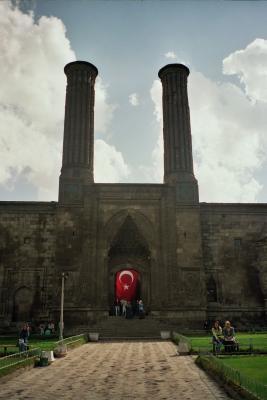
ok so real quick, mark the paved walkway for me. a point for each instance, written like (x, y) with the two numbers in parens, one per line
(115, 371)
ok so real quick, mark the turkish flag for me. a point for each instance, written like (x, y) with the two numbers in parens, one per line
(126, 284)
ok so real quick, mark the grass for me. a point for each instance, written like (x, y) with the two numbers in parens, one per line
(11, 368)
(46, 343)
(244, 374)
(259, 341)
(37, 343)
(255, 367)
(41, 342)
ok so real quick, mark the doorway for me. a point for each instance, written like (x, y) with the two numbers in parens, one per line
(129, 264)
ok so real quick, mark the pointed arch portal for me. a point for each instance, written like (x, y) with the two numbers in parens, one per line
(129, 264)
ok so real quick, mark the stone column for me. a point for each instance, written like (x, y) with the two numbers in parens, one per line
(78, 146)
(178, 158)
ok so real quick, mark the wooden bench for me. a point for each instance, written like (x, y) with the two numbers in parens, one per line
(7, 346)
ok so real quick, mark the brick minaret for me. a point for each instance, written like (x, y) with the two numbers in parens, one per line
(78, 146)
(178, 158)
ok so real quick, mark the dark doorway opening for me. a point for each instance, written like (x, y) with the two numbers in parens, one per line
(129, 251)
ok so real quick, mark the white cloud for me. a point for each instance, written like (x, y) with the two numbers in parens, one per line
(109, 163)
(249, 65)
(157, 154)
(170, 54)
(154, 172)
(228, 128)
(32, 57)
(134, 99)
(228, 131)
(103, 109)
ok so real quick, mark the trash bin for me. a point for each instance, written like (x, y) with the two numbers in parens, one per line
(43, 362)
(49, 355)
(43, 359)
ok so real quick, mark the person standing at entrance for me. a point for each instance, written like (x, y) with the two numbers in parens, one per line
(141, 309)
(123, 304)
(117, 307)
(129, 311)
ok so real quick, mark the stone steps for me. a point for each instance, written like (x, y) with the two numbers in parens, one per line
(129, 339)
(120, 327)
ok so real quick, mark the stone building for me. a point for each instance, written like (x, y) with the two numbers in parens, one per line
(195, 261)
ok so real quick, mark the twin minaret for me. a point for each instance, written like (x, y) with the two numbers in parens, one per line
(78, 147)
(178, 156)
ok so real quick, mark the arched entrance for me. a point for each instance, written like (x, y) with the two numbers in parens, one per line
(129, 252)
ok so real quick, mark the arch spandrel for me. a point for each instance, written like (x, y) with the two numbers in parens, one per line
(143, 224)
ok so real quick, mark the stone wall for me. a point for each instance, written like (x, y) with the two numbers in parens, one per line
(189, 258)
(27, 257)
(192, 259)
(229, 236)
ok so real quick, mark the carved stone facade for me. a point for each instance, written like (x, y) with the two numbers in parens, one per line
(196, 260)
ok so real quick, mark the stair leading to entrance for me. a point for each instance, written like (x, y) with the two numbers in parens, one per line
(122, 328)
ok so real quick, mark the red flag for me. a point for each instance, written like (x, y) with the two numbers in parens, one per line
(126, 284)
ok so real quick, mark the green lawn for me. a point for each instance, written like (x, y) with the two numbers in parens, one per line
(45, 343)
(259, 341)
(255, 367)
(15, 361)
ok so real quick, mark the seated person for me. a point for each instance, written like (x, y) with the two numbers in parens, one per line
(41, 329)
(216, 336)
(229, 340)
(51, 326)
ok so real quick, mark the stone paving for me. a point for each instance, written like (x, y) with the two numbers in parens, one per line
(119, 371)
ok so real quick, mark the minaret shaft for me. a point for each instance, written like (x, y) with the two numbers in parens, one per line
(178, 158)
(78, 144)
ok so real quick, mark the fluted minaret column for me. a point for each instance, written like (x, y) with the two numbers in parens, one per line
(78, 145)
(178, 158)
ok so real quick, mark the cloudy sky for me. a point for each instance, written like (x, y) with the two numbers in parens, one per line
(224, 43)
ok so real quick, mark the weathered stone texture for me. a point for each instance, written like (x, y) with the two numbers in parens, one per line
(229, 236)
(27, 258)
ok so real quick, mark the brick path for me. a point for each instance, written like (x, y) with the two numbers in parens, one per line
(119, 371)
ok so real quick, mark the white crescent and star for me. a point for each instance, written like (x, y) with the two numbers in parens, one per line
(129, 273)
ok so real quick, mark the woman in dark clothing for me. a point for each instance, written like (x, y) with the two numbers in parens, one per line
(23, 338)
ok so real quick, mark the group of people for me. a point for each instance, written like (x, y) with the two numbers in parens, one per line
(129, 309)
(224, 336)
(47, 328)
